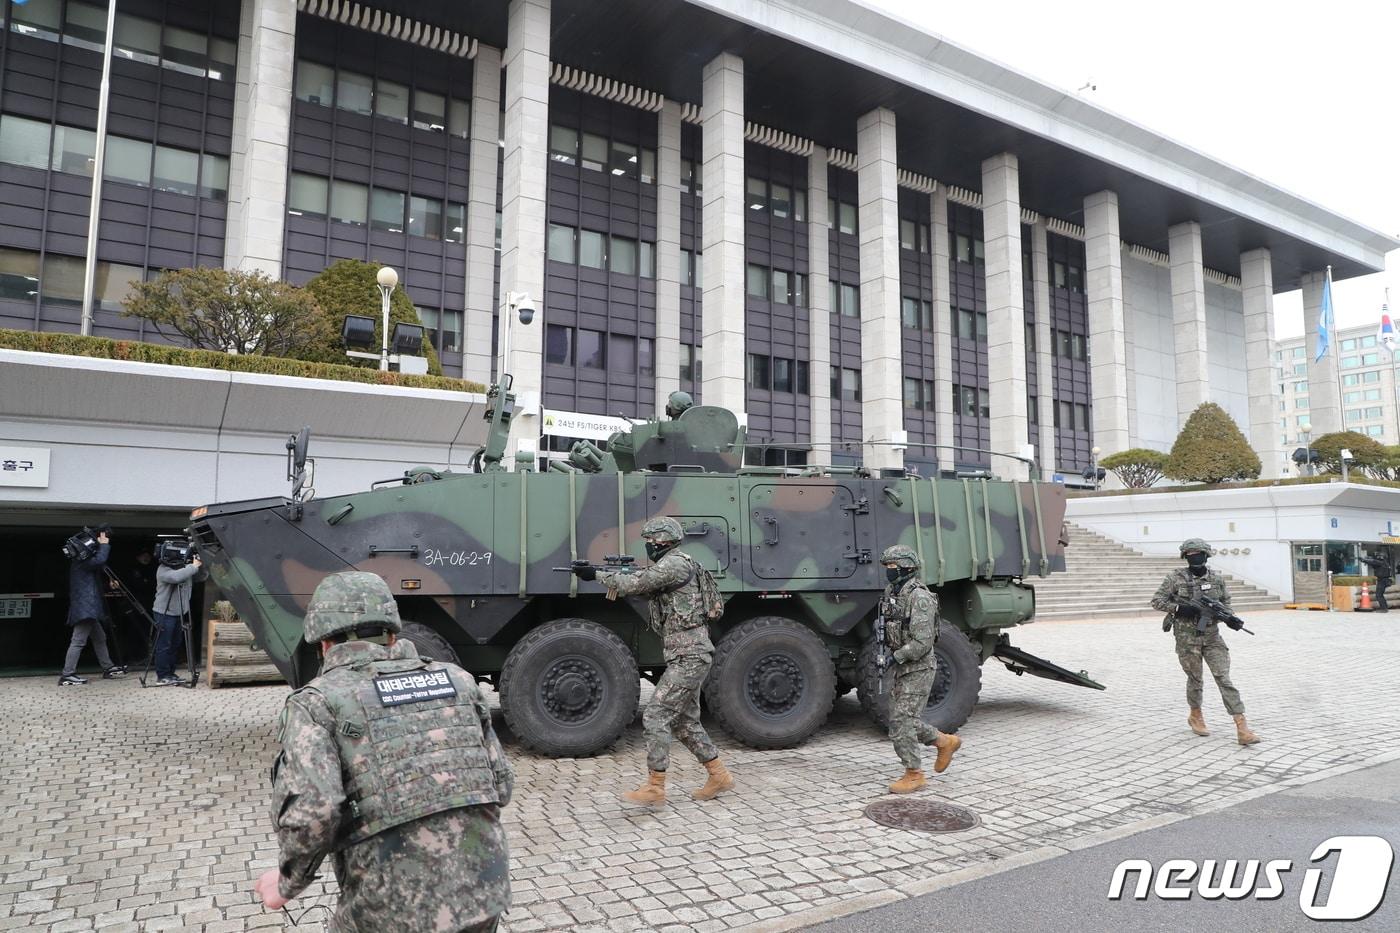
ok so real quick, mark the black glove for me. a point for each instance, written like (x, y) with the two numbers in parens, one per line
(585, 572)
(1166, 625)
(1187, 612)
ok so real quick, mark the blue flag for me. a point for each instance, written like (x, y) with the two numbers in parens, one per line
(1324, 318)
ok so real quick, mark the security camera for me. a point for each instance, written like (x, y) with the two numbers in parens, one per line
(525, 308)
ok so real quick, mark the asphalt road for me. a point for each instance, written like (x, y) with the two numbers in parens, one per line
(1070, 892)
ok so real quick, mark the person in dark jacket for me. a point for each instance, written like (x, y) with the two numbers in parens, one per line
(174, 581)
(86, 614)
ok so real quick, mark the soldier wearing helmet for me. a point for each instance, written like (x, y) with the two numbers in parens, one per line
(389, 766)
(677, 403)
(909, 613)
(1195, 644)
(684, 599)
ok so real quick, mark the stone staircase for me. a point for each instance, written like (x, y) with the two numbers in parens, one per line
(1104, 578)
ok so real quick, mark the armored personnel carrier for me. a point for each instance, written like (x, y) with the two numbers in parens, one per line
(471, 557)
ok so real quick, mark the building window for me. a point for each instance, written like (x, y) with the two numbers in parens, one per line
(19, 274)
(37, 18)
(913, 392)
(391, 101)
(591, 354)
(1368, 341)
(1300, 403)
(1353, 414)
(592, 250)
(24, 142)
(1371, 395)
(425, 217)
(1350, 379)
(646, 356)
(1373, 376)
(757, 281)
(781, 290)
(759, 376)
(455, 223)
(354, 92)
(560, 245)
(908, 235)
(558, 344)
(757, 194)
(386, 210)
(349, 202)
(1300, 386)
(782, 374)
(622, 352)
(1375, 430)
(1372, 413)
(1370, 359)
(803, 380)
(213, 177)
(690, 369)
(75, 150)
(176, 170)
(459, 118)
(315, 84)
(429, 111)
(306, 195)
(128, 160)
(62, 281)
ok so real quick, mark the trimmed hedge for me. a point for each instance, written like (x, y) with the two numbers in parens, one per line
(1247, 484)
(136, 351)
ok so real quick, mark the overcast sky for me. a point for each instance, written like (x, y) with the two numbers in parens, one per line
(1301, 94)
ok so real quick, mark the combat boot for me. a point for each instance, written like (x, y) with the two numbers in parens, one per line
(720, 780)
(913, 780)
(652, 793)
(946, 745)
(1197, 721)
(1243, 732)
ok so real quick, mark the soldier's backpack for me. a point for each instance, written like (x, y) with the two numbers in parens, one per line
(710, 597)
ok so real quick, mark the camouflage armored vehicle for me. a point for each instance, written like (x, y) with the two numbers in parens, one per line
(470, 558)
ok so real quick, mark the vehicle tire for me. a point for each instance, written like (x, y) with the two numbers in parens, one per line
(954, 691)
(772, 683)
(569, 688)
(429, 643)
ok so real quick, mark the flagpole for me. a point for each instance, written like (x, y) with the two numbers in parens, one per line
(1336, 348)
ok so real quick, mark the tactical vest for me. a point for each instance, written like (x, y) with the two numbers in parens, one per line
(410, 741)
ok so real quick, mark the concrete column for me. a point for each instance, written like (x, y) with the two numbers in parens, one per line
(1006, 317)
(1324, 395)
(478, 354)
(668, 253)
(723, 219)
(819, 298)
(942, 328)
(523, 188)
(1104, 284)
(882, 376)
(262, 126)
(1044, 348)
(1257, 279)
(1188, 318)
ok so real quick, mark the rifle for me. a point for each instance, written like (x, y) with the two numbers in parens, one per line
(611, 562)
(1209, 609)
(882, 658)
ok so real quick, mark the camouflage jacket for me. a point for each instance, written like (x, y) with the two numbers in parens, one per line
(437, 874)
(677, 609)
(911, 623)
(1179, 585)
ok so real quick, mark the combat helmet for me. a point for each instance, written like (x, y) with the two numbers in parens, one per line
(345, 601)
(677, 403)
(663, 529)
(902, 556)
(1195, 544)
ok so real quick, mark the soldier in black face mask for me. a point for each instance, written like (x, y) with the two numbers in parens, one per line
(1194, 647)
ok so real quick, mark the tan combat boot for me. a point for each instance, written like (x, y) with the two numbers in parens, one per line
(1197, 721)
(913, 780)
(651, 793)
(946, 745)
(720, 781)
(1243, 732)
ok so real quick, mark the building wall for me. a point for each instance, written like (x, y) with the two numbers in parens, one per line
(1368, 387)
(1225, 354)
(1147, 302)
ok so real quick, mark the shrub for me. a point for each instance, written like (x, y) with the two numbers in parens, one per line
(225, 309)
(1211, 449)
(1137, 468)
(349, 287)
(1368, 455)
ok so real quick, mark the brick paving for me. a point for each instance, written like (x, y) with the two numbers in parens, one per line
(130, 810)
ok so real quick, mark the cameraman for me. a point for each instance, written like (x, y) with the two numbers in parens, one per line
(179, 569)
(86, 611)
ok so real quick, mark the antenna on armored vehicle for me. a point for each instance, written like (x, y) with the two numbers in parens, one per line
(500, 400)
(301, 472)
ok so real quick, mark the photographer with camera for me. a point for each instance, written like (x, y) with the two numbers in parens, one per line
(88, 551)
(180, 569)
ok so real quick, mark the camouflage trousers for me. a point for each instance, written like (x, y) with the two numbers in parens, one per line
(1191, 650)
(674, 712)
(908, 697)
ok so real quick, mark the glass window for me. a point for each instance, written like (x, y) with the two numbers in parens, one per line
(1300, 404)
(908, 235)
(349, 202)
(1058, 271)
(780, 197)
(563, 144)
(912, 389)
(687, 267)
(782, 374)
(850, 385)
(687, 175)
(112, 284)
(757, 192)
(1368, 341)
(354, 93)
(648, 170)
(391, 101)
(560, 246)
(454, 224)
(1375, 430)
(1075, 276)
(594, 151)
(622, 352)
(799, 206)
(1304, 422)
(623, 256)
(909, 312)
(1347, 361)
(137, 39)
(1081, 415)
(425, 217)
(850, 300)
(1370, 359)
(1350, 398)
(19, 274)
(38, 18)
(624, 160)
(1371, 395)
(699, 270)
(782, 290)
(847, 221)
(1373, 376)
(185, 51)
(306, 195)
(646, 259)
(1348, 344)
(385, 210)
(127, 160)
(1076, 345)
(315, 83)
(799, 290)
(967, 324)
(1300, 386)
(62, 281)
(925, 243)
(459, 118)
(451, 331)
(223, 58)
(1032, 409)
(978, 251)
(592, 251)
(85, 26)
(1373, 413)
(590, 350)
(558, 344)
(429, 111)
(962, 251)
(1350, 380)
(1300, 369)
(758, 281)
(73, 150)
(213, 177)
(1299, 352)
(804, 386)
(176, 170)
(24, 142)
(687, 366)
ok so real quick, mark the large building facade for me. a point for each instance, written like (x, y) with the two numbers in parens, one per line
(872, 244)
(1363, 372)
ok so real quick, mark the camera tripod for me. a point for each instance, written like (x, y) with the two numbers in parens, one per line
(121, 588)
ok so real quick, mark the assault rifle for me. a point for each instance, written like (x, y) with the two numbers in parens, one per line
(882, 655)
(611, 562)
(1209, 609)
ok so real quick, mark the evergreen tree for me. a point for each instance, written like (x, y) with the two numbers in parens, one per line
(1211, 449)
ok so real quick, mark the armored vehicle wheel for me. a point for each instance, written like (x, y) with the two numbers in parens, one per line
(428, 642)
(772, 683)
(954, 691)
(569, 688)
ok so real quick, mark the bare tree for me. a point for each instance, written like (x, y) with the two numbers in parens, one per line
(228, 310)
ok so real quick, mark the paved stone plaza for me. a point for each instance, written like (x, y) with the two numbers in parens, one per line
(147, 810)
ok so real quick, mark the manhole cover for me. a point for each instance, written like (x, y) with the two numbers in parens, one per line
(922, 816)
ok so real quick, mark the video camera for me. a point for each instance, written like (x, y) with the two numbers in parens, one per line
(83, 545)
(174, 552)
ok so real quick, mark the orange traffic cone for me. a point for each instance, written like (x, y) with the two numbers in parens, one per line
(1365, 598)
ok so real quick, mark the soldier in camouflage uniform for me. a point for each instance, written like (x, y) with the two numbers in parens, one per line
(390, 766)
(678, 615)
(910, 616)
(1188, 582)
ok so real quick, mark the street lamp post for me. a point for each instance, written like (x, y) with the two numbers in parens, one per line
(1094, 453)
(388, 279)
